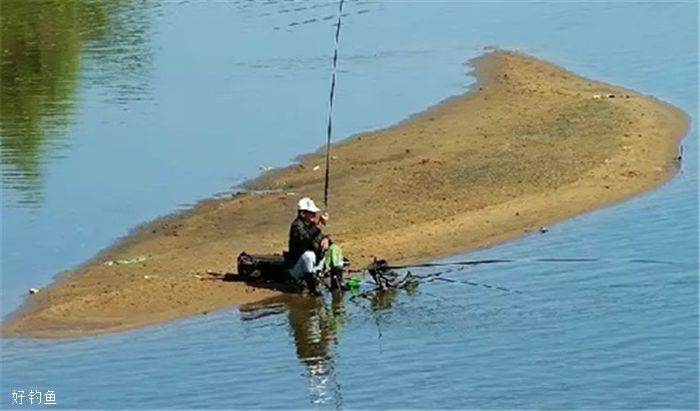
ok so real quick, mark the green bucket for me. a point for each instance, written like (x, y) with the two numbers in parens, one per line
(353, 282)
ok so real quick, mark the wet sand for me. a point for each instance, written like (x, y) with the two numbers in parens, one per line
(529, 145)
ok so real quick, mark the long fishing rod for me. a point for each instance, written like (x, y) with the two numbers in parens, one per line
(461, 265)
(330, 107)
(439, 277)
(522, 260)
(532, 260)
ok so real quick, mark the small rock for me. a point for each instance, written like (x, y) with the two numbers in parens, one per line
(610, 96)
(33, 290)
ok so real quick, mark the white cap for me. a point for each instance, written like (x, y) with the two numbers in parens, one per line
(307, 204)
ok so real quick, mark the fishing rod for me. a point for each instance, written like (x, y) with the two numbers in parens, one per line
(519, 260)
(330, 107)
(533, 260)
(385, 277)
(438, 277)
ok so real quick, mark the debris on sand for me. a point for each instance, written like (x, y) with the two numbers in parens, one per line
(134, 260)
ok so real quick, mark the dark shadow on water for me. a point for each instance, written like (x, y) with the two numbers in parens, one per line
(383, 300)
(276, 284)
(315, 324)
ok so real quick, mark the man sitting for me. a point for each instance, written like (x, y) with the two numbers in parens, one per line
(308, 247)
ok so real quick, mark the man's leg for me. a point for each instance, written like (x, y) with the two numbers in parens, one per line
(305, 269)
(304, 265)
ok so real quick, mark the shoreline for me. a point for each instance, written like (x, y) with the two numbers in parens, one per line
(528, 145)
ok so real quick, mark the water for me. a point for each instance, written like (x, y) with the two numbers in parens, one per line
(150, 107)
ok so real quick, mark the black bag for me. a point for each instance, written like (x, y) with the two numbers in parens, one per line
(272, 267)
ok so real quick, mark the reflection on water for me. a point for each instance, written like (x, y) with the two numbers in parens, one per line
(383, 300)
(315, 326)
(48, 48)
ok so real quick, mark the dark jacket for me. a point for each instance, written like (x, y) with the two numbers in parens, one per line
(302, 237)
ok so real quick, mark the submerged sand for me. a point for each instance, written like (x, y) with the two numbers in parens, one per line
(531, 144)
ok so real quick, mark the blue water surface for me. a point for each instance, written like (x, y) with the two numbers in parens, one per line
(231, 86)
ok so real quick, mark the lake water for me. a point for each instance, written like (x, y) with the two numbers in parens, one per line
(117, 112)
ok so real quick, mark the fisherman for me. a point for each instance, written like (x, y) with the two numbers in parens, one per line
(310, 251)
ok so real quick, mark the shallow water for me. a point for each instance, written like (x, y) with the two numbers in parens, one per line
(151, 107)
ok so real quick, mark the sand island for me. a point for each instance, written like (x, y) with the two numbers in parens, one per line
(529, 145)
